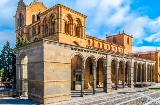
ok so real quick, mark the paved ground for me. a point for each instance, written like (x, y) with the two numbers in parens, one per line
(135, 96)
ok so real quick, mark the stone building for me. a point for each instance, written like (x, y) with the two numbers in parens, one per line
(152, 55)
(61, 57)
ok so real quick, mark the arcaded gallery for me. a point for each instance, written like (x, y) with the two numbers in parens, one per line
(62, 59)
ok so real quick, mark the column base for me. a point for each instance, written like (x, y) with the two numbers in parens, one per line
(50, 99)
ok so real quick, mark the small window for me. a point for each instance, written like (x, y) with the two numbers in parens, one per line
(88, 42)
(114, 40)
(21, 20)
(33, 18)
(107, 46)
(128, 40)
(114, 48)
(38, 18)
(98, 45)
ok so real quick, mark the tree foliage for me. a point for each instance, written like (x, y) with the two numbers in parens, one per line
(21, 41)
(8, 63)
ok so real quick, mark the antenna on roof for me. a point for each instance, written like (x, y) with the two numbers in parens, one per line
(156, 50)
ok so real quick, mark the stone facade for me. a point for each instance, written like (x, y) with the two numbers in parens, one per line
(64, 25)
(61, 57)
(152, 55)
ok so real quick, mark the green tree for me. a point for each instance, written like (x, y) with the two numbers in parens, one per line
(1, 72)
(21, 41)
(8, 61)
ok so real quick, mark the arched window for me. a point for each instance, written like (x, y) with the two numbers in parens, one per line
(45, 27)
(68, 25)
(128, 40)
(33, 18)
(114, 40)
(88, 42)
(52, 25)
(98, 45)
(107, 46)
(78, 28)
(38, 17)
(21, 20)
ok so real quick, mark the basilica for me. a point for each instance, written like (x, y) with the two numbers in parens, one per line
(61, 57)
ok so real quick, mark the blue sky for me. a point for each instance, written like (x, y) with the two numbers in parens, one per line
(140, 18)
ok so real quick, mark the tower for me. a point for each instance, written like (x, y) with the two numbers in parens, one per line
(20, 18)
(27, 15)
(122, 39)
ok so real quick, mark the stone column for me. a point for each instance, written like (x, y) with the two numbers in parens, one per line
(140, 73)
(94, 79)
(116, 78)
(129, 75)
(145, 76)
(146, 73)
(123, 75)
(131, 79)
(109, 87)
(151, 73)
(105, 75)
(18, 90)
(82, 80)
(136, 73)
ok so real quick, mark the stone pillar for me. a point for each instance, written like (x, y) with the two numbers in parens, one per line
(140, 73)
(131, 74)
(116, 78)
(109, 87)
(136, 73)
(18, 90)
(94, 78)
(145, 71)
(105, 75)
(151, 73)
(82, 80)
(123, 75)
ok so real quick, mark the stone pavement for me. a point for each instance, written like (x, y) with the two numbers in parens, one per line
(136, 96)
(11, 100)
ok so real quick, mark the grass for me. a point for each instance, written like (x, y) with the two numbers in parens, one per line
(154, 88)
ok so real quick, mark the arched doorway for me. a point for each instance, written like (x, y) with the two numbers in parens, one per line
(127, 73)
(24, 75)
(114, 74)
(89, 73)
(100, 75)
(120, 73)
(138, 73)
(148, 73)
(113, 71)
(76, 70)
(143, 73)
(135, 72)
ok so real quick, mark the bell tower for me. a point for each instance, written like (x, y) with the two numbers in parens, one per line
(20, 18)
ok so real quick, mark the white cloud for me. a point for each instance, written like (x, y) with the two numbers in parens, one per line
(103, 17)
(144, 48)
(153, 38)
